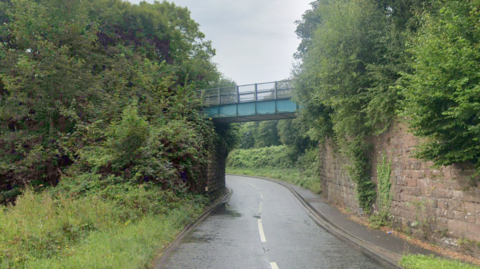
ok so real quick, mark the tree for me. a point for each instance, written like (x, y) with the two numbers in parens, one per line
(347, 80)
(292, 134)
(266, 134)
(442, 92)
(247, 135)
(73, 74)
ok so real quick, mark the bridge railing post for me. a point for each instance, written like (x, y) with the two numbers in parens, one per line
(276, 90)
(238, 94)
(255, 94)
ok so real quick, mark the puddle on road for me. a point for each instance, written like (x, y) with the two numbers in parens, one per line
(225, 210)
(198, 239)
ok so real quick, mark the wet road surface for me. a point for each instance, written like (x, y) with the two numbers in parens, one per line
(263, 226)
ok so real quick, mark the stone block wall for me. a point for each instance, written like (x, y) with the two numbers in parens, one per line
(335, 182)
(215, 172)
(435, 203)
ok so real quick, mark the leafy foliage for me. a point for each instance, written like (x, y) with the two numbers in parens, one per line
(259, 134)
(442, 90)
(277, 162)
(292, 133)
(338, 77)
(256, 158)
(348, 78)
(344, 81)
(102, 86)
(384, 200)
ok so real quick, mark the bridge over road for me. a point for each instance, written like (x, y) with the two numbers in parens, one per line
(253, 102)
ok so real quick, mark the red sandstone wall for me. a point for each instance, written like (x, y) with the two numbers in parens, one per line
(434, 203)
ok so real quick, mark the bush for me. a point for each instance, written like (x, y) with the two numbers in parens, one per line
(275, 156)
(442, 92)
(126, 137)
(104, 87)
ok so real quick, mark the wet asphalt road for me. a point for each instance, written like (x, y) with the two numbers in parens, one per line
(263, 226)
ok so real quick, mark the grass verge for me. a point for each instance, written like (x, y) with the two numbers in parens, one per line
(429, 262)
(290, 175)
(122, 226)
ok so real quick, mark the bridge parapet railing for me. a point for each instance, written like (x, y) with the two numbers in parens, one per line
(248, 93)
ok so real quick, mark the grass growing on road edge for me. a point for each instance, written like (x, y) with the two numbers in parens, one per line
(429, 262)
(122, 226)
(290, 175)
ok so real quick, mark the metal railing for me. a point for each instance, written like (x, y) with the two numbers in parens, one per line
(248, 93)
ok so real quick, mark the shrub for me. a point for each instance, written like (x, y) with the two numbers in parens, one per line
(442, 92)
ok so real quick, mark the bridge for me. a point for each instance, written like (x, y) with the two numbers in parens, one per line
(252, 102)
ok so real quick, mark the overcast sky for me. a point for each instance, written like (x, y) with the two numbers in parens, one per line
(255, 39)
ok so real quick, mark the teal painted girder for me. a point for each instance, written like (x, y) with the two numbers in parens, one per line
(253, 111)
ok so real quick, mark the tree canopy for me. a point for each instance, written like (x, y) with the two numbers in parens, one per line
(365, 63)
(101, 87)
(442, 90)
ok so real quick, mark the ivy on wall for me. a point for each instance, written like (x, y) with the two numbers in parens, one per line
(384, 199)
(364, 63)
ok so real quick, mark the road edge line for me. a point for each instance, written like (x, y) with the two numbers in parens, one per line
(369, 249)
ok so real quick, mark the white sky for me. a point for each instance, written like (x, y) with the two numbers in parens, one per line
(254, 39)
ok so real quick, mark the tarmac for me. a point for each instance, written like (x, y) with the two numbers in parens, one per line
(385, 248)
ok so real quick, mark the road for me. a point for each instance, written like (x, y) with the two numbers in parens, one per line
(263, 226)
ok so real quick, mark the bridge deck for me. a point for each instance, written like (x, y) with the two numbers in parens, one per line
(254, 102)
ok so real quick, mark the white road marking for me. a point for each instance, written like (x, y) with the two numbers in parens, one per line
(260, 208)
(261, 195)
(253, 186)
(262, 234)
(274, 265)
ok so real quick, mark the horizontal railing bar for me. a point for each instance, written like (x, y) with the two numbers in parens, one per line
(245, 85)
(241, 94)
(280, 81)
(266, 91)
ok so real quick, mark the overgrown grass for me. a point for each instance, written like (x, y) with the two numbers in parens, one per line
(429, 262)
(119, 227)
(276, 162)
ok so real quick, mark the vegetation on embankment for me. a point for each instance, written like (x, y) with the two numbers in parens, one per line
(365, 63)
(101, 123)
(101, 89)
(116, 226)
(429, 262)
(276, 162)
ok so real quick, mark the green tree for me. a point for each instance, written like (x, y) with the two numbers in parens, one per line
(292, 134)
(347, 81)
(69, 71)
(442, 93)
(247, 135)
(266, 134)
